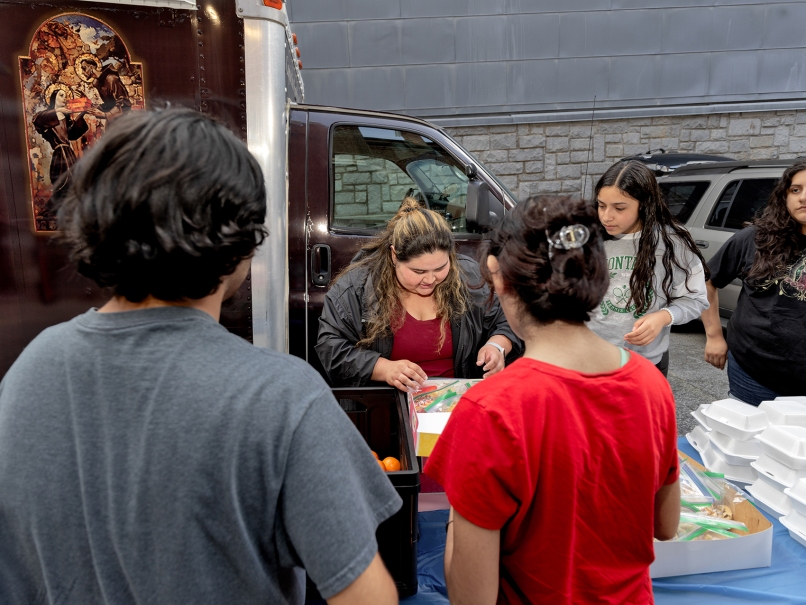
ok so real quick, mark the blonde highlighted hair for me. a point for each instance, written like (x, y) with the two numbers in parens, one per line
(413, 231)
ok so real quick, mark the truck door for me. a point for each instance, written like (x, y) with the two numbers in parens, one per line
(359, 170)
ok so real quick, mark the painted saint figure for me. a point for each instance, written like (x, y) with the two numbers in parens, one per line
(58, 126)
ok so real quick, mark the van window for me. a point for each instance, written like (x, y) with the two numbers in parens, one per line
(683, 197)
(373, 169)
(740, 203)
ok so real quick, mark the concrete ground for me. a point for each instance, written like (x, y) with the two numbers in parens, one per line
(693, 381)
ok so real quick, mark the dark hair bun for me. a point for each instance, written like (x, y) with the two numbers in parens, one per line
(552, 282)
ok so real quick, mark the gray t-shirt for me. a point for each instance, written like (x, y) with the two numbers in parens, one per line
(613, 319)
(153, 457)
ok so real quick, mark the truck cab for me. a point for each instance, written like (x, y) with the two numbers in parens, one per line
(348, 173)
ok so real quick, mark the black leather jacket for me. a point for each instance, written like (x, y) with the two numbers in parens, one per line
(346, 310)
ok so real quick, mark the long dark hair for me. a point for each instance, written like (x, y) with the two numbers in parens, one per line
(634, 179)
(776, 231)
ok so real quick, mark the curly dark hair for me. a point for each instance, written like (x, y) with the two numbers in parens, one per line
(166, 204)
(634, 179)
(566, 286)
(777, 233)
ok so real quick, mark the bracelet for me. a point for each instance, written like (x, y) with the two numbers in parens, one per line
(447, 523)
(670, 314)
(497, 346)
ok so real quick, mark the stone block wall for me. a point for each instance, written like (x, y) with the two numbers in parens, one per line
(551, 158)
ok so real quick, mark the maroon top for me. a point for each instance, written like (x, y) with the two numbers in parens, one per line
(417, 341)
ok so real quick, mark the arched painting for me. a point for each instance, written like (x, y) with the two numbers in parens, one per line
(77, 79)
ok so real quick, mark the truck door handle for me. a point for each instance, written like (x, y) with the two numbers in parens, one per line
(701, 243)
(320, 264)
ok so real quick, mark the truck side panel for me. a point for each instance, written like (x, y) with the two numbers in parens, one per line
(189, 58)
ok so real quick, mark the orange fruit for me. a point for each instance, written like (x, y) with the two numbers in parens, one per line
(376, 456)
(383, 468)
(391, 464)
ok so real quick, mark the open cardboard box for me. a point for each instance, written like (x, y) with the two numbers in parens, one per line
(745, 552)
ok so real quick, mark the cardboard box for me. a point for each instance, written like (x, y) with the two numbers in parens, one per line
(427, 426)
(745, 552)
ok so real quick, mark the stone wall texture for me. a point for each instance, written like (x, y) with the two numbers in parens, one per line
(551, 158)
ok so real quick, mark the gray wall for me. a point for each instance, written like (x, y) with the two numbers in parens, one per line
(514, 61)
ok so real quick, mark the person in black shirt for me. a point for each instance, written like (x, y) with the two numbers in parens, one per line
(766, 342)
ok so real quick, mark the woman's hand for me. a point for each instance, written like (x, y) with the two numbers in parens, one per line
(491, 358)
(716, 350)
(402, 374)
(647, 328)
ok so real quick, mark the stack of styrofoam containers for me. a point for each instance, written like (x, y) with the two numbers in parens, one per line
(795, 520)
(724, 438)
(783, 458)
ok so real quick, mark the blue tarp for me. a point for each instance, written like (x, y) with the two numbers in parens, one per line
(783, 583)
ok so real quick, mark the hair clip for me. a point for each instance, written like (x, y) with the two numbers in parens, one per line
(569, 237)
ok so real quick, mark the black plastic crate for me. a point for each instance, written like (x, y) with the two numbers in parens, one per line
(381, 416)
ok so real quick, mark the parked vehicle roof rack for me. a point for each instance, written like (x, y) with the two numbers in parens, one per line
(726, 167)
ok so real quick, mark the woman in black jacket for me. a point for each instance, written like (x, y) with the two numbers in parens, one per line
(404, 311)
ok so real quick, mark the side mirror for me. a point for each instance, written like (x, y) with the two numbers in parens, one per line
(483, 210)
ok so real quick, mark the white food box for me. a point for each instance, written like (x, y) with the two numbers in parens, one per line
(741, 453)
(797, 495)
(770, 498)
(736, 419)
(776, 472)
(784, 412)
(796, 535)
(700, 417)
(714, 462)
(786, 444)
(753, 550)
(427, 429)
(795, 521)
(698, 439)
(798, 398)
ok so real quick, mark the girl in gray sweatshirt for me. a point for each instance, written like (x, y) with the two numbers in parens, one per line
(657, 274)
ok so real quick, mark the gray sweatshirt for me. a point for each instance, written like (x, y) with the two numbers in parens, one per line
(612, 319)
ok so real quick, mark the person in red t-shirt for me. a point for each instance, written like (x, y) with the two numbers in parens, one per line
(403, 311)
(561, 468)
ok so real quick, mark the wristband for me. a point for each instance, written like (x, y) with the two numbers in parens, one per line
(497, 346)
(670, 314)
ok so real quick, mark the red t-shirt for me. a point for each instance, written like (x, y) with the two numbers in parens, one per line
(566, 465)
(417, 341)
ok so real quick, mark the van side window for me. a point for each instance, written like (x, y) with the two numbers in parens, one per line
(373, 169)
(740, 203)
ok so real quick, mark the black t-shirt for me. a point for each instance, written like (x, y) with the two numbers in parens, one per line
(767, 332)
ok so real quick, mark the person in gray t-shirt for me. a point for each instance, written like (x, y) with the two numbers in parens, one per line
(147, 455)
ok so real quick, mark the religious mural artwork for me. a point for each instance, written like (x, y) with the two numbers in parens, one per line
(77, 79)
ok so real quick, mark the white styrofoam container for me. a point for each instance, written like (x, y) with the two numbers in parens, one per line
(713, 461)
(784, 412)
(700, 418)
(798, 398)
(777, 471)
(698, 439)
(762, 476)
(797, 494)
(785, 444)
(736, 419)
(735, 452)
(792, 523)
(770, 498)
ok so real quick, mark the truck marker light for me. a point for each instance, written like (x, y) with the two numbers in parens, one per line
(278, 4)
